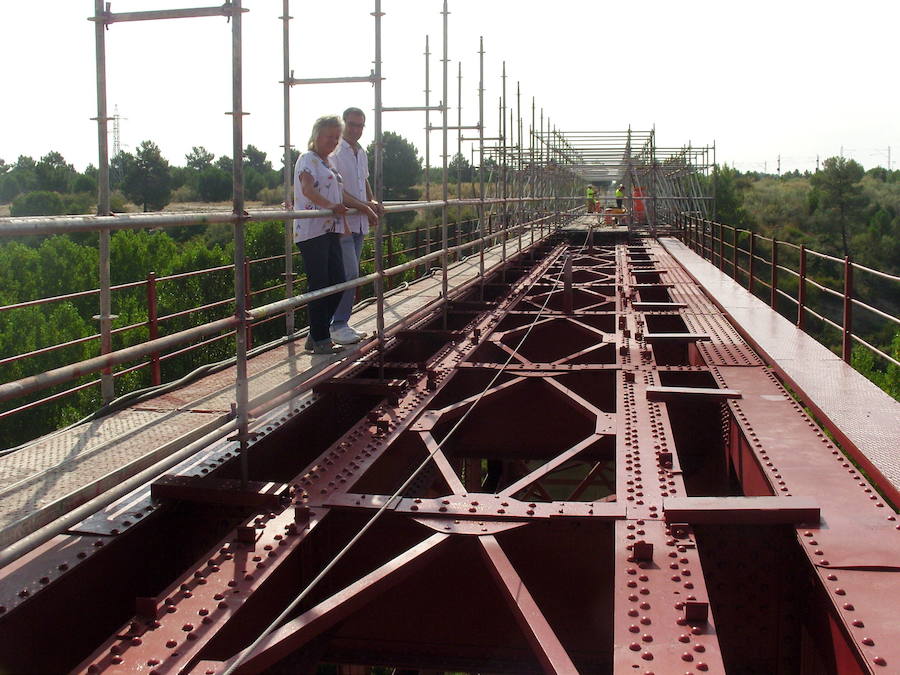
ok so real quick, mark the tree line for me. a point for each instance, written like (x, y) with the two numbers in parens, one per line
(842, 210)
(52, 186)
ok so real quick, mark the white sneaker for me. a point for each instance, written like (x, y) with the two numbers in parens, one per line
(345, 336)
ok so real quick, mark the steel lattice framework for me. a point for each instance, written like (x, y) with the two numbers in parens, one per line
(577, 465)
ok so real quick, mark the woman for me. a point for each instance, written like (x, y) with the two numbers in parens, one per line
(318, 186)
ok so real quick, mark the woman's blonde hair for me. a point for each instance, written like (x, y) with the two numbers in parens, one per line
(321, 123)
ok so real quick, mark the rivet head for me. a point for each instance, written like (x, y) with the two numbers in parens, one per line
(879, 661)
(868, 641)
(687, 656)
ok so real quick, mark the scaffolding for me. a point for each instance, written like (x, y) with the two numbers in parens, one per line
(552, 191)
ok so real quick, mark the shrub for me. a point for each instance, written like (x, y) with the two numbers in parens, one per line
(185, 193)
(271, 195)
(38, 203)
(82, 202)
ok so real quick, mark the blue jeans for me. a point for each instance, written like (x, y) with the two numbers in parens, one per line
(351, 249)
(324, 267)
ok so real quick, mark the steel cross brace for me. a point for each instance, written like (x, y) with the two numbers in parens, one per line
(206, 599)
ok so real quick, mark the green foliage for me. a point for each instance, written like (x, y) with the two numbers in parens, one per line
(84, 183)
(147, 180)
(9, 188)
(38, 203)
(271, 196)
(199, 158)
(80, 203)
(53, 174)
(214, 185)
(840, 194)
(402, 167)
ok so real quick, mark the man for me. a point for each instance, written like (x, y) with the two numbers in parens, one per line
(591, 197)
(350, 160)
(620, 195)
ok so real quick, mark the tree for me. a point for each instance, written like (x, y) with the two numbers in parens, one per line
(9, 187)
(214, 185)
(402, 167)
(729, 201)
(840, 193)
(119, 166)
(199, 158)
(255, 158)
(225, 164)
(460, 168)
(147, 182)
(53, 173)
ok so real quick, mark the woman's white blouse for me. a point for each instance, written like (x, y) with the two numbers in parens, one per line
(327, 182)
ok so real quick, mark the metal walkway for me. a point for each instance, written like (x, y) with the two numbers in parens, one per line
(863, 418)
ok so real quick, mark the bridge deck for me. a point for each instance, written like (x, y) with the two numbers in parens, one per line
(58, 472)
(863, 418)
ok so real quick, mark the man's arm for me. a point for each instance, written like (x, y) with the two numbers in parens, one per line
(376, 206)
(362, 207)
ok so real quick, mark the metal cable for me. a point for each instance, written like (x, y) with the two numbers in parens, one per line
(299, 598)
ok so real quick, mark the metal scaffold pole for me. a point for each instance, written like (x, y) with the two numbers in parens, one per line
(288, 169)
(481, 159)
(379, 191)
(445, 189)
(504, 224)
(107, 384)
(427, 143)
(240, 286)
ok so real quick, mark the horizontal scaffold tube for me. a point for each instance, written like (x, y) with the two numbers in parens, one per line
(56, 376)
(12, 227)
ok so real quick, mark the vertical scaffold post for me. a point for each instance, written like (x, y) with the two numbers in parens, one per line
(481, 160)
(801, 290)
(288, 169)
(107, 384)
(847, 341)
(379, 191)
(445, 106)
(427, 144)
(504, 221)
(519, 219)
(568, 299)
(240, 290)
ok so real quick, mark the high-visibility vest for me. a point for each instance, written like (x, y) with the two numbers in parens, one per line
(590, 192)
(620, 193)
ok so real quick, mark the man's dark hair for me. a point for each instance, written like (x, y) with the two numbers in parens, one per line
(353, 111)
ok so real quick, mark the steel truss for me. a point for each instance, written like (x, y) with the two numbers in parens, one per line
(584, 469)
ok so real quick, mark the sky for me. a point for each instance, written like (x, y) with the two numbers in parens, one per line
(795, 78)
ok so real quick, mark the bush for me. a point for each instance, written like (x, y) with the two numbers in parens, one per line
(84, 183)
(271, 196)
(38, 203)
(117, 202)
(185, 193)
(80, 203)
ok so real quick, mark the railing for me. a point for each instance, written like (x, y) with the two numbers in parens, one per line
(422, 244)
(759, 262)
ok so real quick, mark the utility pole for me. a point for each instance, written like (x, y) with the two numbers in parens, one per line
(779, 165)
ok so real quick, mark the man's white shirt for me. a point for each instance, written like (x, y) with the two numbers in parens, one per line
(354, 169)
